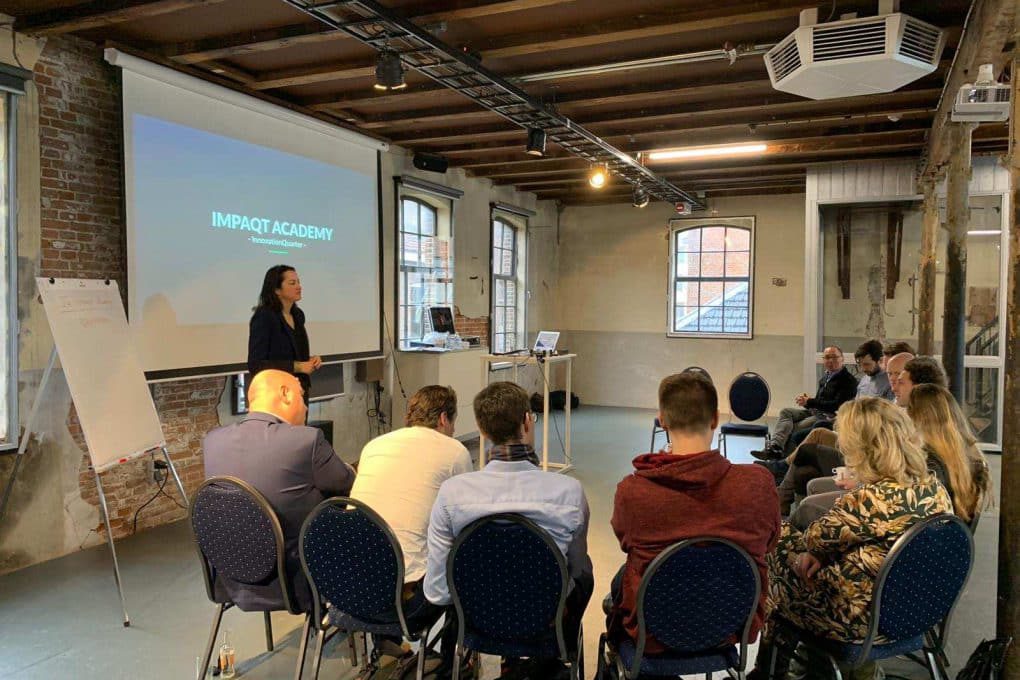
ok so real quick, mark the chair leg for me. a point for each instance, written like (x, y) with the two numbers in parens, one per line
(476, 667)
(577, 668)
(457, 652)
(722, 444)
(319, 641)
(935, 668)
(422, 649)
(303, 647)
(651, 447)
(352, 642)
(600, 659)
(269, 631)
(217, 617)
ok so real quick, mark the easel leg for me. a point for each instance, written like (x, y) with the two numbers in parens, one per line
(177, 480)
(113, 550)
(29, 424)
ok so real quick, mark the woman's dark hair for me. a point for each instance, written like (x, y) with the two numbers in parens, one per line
(270, 284)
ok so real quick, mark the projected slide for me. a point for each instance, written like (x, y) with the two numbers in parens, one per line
(213, 213)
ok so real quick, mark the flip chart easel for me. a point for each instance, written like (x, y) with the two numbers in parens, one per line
(107, 385)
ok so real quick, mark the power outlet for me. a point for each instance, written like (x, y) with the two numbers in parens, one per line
(159, 471)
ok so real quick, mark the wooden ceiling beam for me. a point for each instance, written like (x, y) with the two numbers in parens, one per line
(709, 133)
(310, 33)
(592, 197)
(695, 181)
(618, 29)
(99, 13)
(988, 33)
(756, 112)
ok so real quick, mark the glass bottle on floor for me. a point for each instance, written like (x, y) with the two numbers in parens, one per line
(227, 657)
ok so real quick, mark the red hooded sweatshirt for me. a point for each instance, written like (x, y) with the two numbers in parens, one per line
(669, 498)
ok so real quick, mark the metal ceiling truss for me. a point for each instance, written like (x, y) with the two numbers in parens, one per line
(379, 27)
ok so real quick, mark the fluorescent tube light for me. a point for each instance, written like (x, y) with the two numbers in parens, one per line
(706, 151)
(984, 232)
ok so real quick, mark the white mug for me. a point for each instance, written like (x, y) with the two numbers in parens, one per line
(843, 473)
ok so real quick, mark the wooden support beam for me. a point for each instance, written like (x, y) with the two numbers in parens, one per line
(310, 33)
(1009, 504)
(954, 318)
(98, 13)
(989, 28)
(929, 245)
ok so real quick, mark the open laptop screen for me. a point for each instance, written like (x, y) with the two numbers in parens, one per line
(546, 341)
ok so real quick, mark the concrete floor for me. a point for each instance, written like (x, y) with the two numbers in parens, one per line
(62, 618)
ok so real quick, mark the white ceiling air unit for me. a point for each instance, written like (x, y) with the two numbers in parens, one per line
(986, 101)
(854, 56)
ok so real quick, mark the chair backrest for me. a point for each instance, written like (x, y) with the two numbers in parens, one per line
(749, 396)
(238, 535)
(921, 579)
(508, 580)
(353, 561)
(697, 594)
(699, 370)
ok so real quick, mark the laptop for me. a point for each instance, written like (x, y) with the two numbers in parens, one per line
(546, 342)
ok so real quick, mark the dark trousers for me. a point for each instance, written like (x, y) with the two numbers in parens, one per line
(812, 461)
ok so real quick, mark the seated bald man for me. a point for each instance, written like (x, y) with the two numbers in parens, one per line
(292, 465)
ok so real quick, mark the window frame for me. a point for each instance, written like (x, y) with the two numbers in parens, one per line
(517, 277)
(680, 225)
(402, 268)
(11, 441)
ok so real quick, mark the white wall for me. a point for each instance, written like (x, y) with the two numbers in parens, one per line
(613, 296)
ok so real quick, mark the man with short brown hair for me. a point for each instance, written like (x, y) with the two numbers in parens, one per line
(686, 491)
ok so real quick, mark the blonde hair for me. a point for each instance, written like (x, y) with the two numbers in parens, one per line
(879, 442)
(945, 430)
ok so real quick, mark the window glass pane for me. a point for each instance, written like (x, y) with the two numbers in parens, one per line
(983, 259)
(500, 292)
(686, 293)
(735, 319)
(508, 237)
(688, 264)
(497, 321)
(713, 239)
(498, 341)
(685, 319)
(8, 371)
(497, 234)
(511, 293)
(736, 295)
(738, 239)
(712, 264)
(428, 221)
(711, 320)
(510, 319)
(508, 263)
(415, 326)
(415, 289)
(688, 241)
(980, 399)
(497, 260)
(738, 264)
(711, 294)
(410, 216)
(410, 250)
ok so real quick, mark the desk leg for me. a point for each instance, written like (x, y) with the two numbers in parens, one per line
(481, 439)
(545, 417)
(567, 458)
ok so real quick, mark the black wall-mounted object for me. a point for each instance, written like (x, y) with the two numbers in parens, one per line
(430, 162)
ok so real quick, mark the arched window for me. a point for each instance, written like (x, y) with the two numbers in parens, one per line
(425, 268)
(711, 278)
(507, 312)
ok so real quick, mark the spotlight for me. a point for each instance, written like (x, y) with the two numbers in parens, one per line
(598, 176)
(389, 72)
(536, 142)
(640, 198)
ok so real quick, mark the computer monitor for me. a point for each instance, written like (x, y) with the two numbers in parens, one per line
(546, 341)
(442, 320)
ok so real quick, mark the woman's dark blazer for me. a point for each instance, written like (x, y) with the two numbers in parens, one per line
(272, 343)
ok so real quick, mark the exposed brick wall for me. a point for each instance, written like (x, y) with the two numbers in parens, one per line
(469, 326)
(80, 146)
(83, 235)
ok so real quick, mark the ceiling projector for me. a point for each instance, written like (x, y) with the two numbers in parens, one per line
(854, 56)
(986, 101)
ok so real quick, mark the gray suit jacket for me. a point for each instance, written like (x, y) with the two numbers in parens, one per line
(294, 467)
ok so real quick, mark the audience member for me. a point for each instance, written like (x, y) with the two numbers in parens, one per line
(512, 483)
(892, 349)
(292, 465)
(918, 371)
(874, 381)
(685, 492)
(836, 387)
(893, 367)
(821, 579)
(951, 446)
(399, 475)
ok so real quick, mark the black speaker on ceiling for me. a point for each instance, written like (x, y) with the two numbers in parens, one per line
(431, 162)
